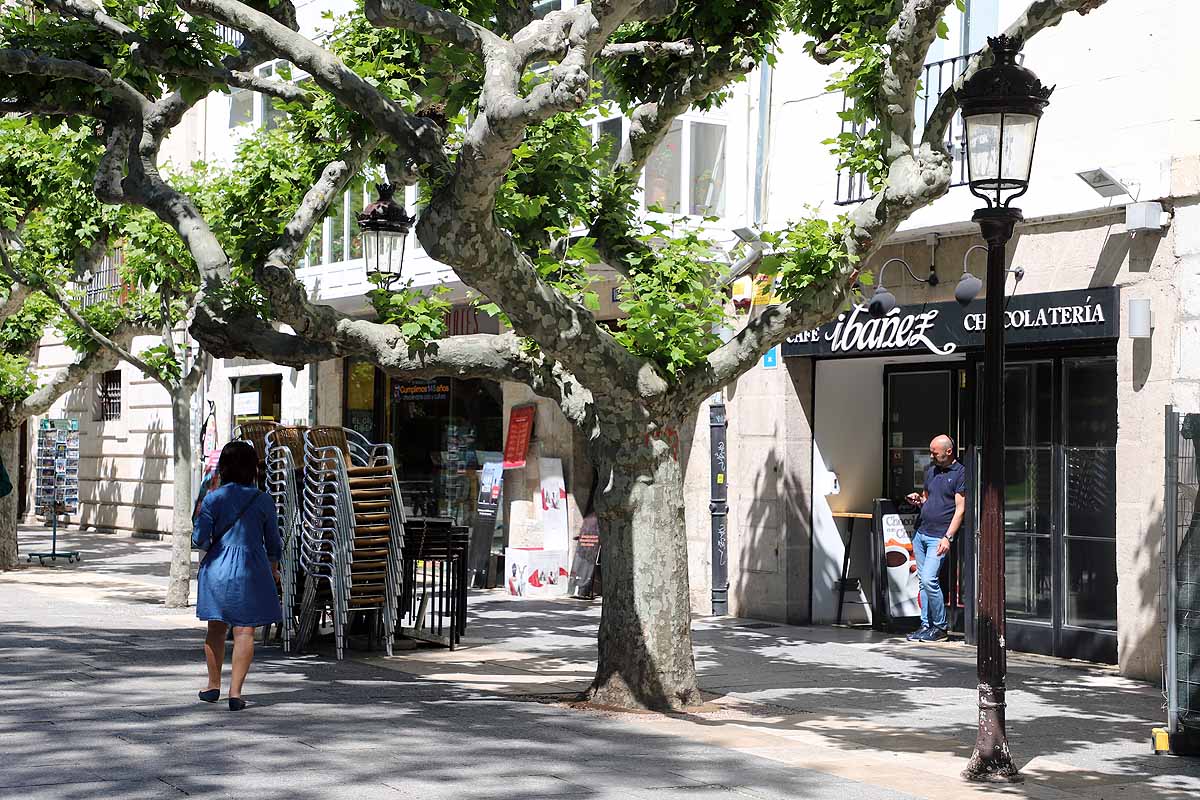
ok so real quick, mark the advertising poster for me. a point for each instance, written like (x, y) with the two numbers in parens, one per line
(534, 572)
(901, 585)
(553, 500)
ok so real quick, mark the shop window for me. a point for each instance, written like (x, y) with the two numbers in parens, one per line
(361, 398)
(108, 396)
(1089, 392)
(257, 397)
(443, 430)
(663, 171)
(708, 169)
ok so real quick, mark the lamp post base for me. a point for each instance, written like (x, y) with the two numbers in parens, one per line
(991, 762)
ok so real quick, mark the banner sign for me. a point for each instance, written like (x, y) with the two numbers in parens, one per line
(520, 430)
(945, 328)
(420, 391)
(555, 527)
(487, 505)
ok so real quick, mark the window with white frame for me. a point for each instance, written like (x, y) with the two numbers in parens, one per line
(252, 108)
(609, 134)
(663, 170)
(707, 174)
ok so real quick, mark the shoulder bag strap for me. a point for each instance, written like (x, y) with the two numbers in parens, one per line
(217, 536)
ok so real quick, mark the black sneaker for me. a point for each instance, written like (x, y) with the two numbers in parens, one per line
(916, 635)
(934, 635)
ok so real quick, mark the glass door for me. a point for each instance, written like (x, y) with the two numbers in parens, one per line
(921, 404)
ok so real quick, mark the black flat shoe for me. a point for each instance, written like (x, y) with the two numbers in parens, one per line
(210, 695)
(236, 704)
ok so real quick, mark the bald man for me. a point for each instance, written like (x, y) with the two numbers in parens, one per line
(942, 503)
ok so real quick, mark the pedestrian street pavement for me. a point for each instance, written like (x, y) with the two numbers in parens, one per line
(98, 682)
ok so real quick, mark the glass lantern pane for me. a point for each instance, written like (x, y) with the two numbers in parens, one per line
(370, 245)
(1020, 130)
(390, 256)
(983, 148)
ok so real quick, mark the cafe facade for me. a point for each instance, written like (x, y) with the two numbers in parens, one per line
(841, 417)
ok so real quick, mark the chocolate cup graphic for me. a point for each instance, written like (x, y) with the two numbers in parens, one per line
(895, 558)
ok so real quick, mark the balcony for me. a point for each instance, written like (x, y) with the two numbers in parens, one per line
(939, 76)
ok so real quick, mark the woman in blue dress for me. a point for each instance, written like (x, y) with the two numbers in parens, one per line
(236, 584)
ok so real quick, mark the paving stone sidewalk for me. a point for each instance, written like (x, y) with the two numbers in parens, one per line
(97, 687)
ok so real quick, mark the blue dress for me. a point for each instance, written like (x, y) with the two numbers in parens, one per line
(235, 584)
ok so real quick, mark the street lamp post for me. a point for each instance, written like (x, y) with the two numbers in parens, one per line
(385, 226)
(1001, 106)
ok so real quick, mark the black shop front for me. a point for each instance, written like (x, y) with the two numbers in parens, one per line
(883, 388)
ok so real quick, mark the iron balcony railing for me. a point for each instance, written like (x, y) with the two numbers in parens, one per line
(105, 282)
(230, 35)
(938, 77)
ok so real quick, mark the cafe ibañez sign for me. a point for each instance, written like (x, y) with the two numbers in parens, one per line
(946, 328)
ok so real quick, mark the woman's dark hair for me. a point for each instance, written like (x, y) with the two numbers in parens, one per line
(238, 463)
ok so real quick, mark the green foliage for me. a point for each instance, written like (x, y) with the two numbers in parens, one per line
(25, 328)
(17, 379)
(104, 317)
(726, 32)
(165, 366)
(183, 41)
(421, 317)
(806, 255)
(671, 298)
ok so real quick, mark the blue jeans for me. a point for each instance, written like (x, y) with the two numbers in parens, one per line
(929, 563)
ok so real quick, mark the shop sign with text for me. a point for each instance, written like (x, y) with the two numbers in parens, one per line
(946, 328)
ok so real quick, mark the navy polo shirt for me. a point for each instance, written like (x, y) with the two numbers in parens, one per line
(941, 484)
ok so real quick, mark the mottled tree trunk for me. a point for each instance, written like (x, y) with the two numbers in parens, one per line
(11, 453)
(645, 645)
(181, 518)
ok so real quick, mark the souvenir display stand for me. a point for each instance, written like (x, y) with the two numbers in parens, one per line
(57, 479)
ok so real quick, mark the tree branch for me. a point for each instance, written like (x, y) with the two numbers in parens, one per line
(27, 62)
(908, 40)
(288, 295)
(1038, 16)
(680, 49)
(435, 23)
(64, 380)
(420, 137)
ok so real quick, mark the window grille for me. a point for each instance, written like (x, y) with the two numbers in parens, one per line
(109, 396)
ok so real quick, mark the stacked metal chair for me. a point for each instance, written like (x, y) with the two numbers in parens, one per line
(285, 458)
(352, 533)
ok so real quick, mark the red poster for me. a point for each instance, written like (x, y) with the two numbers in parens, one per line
(520, 429)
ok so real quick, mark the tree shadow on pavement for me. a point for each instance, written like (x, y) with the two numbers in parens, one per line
(111, 712)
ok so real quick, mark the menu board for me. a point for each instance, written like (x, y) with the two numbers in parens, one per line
(57, 466)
